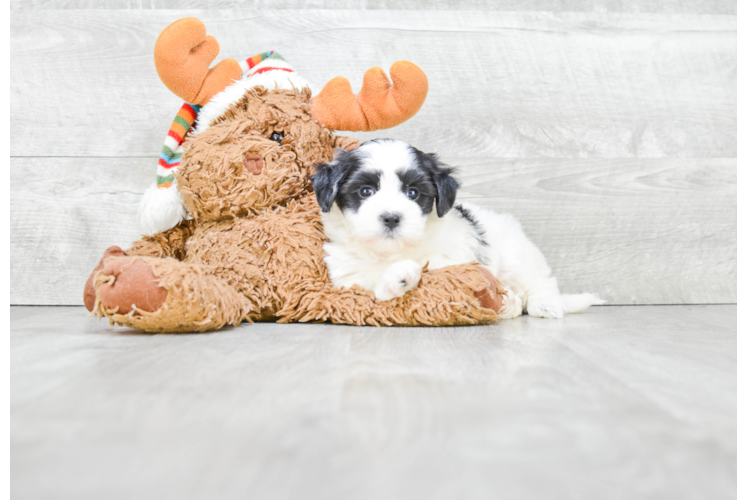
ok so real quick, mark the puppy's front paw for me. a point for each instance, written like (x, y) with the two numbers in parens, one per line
(400, 278)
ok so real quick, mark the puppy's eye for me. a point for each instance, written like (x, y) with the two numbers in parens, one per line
(366, 192)
(412, 194)
(277, 137)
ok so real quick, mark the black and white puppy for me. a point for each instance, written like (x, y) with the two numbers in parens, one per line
(388, 209)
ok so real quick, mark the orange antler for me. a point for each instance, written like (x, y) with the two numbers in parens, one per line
(183, 55)
(379, 104)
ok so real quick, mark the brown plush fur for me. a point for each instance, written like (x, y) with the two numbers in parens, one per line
(213, 180)
(253, 250)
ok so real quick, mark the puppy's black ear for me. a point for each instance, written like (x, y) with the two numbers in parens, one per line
(325, 185)
(446, 185)
(328, 178)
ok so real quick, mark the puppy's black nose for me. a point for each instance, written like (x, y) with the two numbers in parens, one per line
(391, 220)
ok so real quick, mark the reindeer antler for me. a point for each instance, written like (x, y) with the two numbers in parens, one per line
(183, 55)
(379, 104)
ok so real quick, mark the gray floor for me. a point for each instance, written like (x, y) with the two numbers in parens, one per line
(621, 402)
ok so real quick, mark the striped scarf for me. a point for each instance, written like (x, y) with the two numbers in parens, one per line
(171, 152)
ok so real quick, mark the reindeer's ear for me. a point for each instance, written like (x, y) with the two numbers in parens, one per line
(183, 54)
(446, 185)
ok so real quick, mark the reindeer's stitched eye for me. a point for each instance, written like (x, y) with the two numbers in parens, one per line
(366, 192)
(277, 137)
(412, 194)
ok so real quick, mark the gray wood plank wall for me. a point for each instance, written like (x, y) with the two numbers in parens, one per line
(608, 128)
(653, 6)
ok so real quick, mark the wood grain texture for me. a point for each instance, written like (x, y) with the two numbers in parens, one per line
(616, 403)
(741, 223)
(503, 84)
(634, 231)
(649, 6)
(65, 213)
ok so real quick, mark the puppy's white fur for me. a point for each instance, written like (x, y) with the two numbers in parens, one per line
(363, 251)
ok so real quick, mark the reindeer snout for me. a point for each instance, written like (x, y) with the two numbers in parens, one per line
(253, 163)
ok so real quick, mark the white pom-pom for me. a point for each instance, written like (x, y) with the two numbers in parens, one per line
(161, 209)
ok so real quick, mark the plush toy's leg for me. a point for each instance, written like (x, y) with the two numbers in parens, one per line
(169, 243)
(89, 292)
(165, 295)
(455, 295)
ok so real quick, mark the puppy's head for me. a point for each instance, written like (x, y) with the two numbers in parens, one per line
(385, 191)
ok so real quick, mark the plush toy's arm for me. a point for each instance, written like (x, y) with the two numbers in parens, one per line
(455, 295)
(169, 243)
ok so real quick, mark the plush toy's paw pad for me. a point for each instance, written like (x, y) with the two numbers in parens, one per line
(400, 278)
(131, 284)
(89, 292)
(489, 297)
(512, 307)
(548, 306)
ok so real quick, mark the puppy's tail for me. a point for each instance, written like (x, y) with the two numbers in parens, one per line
(579, 302)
